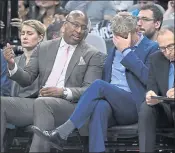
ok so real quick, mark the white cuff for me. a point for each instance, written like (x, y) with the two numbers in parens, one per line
(12, 72)
(69, 94)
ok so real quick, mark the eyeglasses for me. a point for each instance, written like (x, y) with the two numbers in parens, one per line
(76, 26)
(144, 19)
(170, 47)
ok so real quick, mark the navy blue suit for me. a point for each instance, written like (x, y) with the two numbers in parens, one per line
(5, 81)
(106, 104)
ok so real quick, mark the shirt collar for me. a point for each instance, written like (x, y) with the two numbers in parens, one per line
(64, 44)
(140, 39)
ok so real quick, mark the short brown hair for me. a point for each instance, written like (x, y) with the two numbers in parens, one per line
(37, 25)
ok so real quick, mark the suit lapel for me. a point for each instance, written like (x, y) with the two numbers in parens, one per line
(15, 87)
(108, 64)
(74, 60)
(164, 73)
(50, 58)
(142, 47)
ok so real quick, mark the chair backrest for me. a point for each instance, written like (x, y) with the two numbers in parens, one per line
(109, 44)
(97, 42)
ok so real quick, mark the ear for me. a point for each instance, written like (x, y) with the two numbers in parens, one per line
(63, 28)
(27, 10)
(157, 24)
(40, 38)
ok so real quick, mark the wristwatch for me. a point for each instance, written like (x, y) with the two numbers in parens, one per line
(65, 93)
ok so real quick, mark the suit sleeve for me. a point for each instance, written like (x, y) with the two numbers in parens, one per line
(5, 82)
(25, 77)
(134, 64)
(93, 72)
(152, 84)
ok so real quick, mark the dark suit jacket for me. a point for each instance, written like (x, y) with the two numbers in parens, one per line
(137, 66)
(158, 80)
(78, 77)
(158, 74)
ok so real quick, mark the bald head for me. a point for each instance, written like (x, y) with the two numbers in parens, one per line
(166, 42)
(76, 14)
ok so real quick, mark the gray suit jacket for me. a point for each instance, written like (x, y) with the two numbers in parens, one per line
(26, 92)
(78, 77)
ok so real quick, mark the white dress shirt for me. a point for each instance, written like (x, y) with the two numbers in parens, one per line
(60, 82)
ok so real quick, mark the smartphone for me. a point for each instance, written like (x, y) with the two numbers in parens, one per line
(162, 98)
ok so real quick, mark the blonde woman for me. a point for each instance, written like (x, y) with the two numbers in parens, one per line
(18, 110)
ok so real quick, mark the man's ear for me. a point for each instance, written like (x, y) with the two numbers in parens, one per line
(157, 24)
(63, 28)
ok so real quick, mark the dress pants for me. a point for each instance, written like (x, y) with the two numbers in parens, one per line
(49, 112)
(150, 118)
(17, 111)
(101, 103)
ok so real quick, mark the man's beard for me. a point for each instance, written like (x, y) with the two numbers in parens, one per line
(150, 34)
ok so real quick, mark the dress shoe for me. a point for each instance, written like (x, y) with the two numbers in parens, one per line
(52, 136)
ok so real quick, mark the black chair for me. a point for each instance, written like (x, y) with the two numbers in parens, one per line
(120, 138)
(124, 138)
(17, 139)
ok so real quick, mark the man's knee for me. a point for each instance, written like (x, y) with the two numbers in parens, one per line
(48, 104)
(40, 103)
(4, 102)
(146, 111)
(103, 107)
(98, 82)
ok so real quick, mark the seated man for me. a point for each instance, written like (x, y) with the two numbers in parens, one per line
(161, 82)
(117, 98)
(5, 81)
(149, 21)
(66, 67)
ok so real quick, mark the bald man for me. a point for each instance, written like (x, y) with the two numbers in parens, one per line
(84, 65)
(66, 67)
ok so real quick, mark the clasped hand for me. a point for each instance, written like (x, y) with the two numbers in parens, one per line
(51, 92)
(122, 43)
